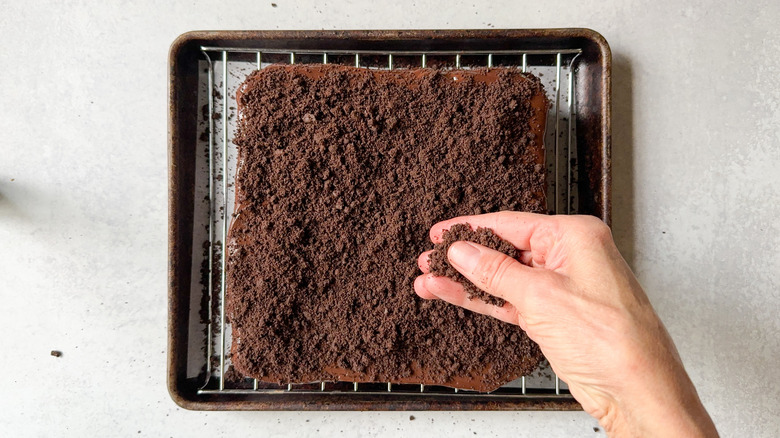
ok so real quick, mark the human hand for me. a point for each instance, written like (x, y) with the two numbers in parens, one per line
(577, 298)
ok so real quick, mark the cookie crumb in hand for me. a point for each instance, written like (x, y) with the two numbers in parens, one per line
(440, 265)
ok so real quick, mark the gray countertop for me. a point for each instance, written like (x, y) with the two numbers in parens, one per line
(83, 214)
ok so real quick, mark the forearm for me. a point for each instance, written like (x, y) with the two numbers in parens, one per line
(665, 407)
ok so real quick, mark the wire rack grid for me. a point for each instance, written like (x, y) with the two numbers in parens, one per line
(223, 69)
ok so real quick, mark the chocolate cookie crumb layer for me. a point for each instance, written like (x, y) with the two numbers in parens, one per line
(440, 265)
(342, 171)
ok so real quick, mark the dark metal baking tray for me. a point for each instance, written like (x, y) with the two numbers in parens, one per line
(578, 139)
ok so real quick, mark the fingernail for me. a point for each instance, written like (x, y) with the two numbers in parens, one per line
(464, 255)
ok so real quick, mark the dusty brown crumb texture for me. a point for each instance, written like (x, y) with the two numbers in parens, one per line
(342, 172)
(440, 265)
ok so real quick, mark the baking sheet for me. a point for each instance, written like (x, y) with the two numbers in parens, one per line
(215, 123)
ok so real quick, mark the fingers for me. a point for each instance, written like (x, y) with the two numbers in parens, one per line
(498, 274)
(526, 258)
(422, 262)
(512, 226)
(453, 293)
(421, 290)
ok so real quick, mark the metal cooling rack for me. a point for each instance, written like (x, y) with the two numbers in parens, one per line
(223, 69)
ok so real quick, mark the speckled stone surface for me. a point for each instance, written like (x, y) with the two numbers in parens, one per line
(83, 205)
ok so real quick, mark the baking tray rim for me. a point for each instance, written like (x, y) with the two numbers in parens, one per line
(178, 308)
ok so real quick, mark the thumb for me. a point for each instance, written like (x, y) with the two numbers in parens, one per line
(498, 274)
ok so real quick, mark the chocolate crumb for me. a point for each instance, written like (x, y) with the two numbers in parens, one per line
(411, 418)
(333, 215)
(440, 265)
(273, 5)
(56, 353)
(596, 429)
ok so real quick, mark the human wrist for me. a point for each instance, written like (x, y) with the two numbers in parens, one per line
(679, 421)
(666, 406)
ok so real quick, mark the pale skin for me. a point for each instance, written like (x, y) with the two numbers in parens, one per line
(574, 294)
